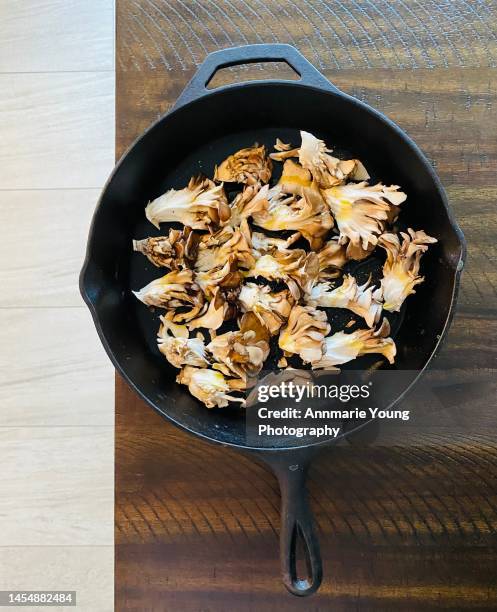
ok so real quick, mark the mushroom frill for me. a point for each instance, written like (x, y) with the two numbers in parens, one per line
(229, 362)
(250, 166)
(201, 205)
(340, 347)
(253, 266)
(363, 300)
(307, 214)
(401, 268)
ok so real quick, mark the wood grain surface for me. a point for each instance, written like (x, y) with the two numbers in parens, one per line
(408, 523)
(56, 383)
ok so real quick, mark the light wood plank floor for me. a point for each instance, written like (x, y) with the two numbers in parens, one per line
(56, 384)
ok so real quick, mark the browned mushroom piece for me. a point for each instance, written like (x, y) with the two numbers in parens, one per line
(252, 199)
(180, 350)
(175, 290)
(250, 165)
(309, 215)
(202, 205)
(342, 347)
(272, 309)
(297, 268)
(177, 250)
(305, 333)
(362, 212)
(363, 300)
(327, 170)
(241, 354)
(262, 244)
(209, 386)
(214, 313)
(401, 268)
(250, 322)
(225, 276)
(279, 145)
(294, 178)
(214, 250)
(332, 257)
(284, 151)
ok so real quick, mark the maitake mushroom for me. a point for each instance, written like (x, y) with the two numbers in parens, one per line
(296, 267)
(181, 350)
(177, 250)
(327, 170)
(284, 151)
(308, 215)
(250, 166)
(209, 386)
(201, 205)
(214, 250)
(332, 258)
(304, 333)
(176, 289)
(262, 244)
(363, 300)
(361, 213)
(401, 268)
(272, 309)
(241, 353)
(294, 179)
(218, 311)
(341, 347)
(225, 276)
(252, 199)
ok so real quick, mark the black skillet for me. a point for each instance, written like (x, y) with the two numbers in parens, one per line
(202, 129)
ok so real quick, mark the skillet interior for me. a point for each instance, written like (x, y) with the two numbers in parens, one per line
(193, 139)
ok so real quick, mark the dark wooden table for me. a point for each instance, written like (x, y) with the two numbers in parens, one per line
(408, 523)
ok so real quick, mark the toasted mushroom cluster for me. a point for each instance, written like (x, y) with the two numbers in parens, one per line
(264, 268)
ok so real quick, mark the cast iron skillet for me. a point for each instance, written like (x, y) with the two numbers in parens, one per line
(202, 129)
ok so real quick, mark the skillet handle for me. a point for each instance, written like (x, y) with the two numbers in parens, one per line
(250, 54)
(297, 523)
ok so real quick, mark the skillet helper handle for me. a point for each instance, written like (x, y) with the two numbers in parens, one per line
(251, 54)
(297, 524)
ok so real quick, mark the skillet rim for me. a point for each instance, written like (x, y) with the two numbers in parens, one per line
(388, 123)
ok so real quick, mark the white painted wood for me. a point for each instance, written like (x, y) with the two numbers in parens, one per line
(44, 236)
(60, 486)
(55, 35)
(56, 383)
(86, 569)
(57, 130)
(53, 370)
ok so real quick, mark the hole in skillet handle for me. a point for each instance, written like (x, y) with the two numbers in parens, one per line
(252, 72)
(300, 556)
(300, 561)
(251, 54)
